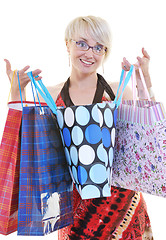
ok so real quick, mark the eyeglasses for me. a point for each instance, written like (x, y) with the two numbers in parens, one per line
(97, 49)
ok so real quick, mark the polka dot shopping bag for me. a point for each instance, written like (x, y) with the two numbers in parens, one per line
(88, 134)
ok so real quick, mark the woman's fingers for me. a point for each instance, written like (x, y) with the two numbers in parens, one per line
(145, 53)
(126, 65)
(145, 59)
(8, 67)
(36, 73)
(22, 71)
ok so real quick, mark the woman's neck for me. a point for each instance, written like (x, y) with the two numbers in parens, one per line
(82, 81)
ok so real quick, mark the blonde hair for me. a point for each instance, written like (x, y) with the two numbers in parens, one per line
(97, 27)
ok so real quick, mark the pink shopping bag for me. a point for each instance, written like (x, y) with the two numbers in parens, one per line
(140, 151)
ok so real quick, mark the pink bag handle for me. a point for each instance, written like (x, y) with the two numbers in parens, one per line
(144, 83)
(133, 77)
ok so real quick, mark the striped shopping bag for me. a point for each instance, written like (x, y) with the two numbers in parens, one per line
(9, 172)
(45, 196)
(140, 151)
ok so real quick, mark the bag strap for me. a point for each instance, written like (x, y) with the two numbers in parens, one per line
(43, 92)
(11, 85)
(144, 83)
(123, 80)
(50, 102)
(20, 88)
(32, 87)
(133, 78)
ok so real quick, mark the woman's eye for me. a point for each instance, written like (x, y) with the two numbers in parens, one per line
(81, 44)
(98, 48)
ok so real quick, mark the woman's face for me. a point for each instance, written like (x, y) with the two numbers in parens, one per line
(84, 61)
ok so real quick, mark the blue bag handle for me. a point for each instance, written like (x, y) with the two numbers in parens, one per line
(43, 92)
(32, 87)
(127, 78)
(50, 102)
(19, 88)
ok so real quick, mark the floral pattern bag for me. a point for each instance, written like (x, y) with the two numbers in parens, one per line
(140, 151)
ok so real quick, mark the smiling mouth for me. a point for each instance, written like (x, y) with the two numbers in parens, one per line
(86, 62)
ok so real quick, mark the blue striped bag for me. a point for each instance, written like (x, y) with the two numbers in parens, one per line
(45, 196)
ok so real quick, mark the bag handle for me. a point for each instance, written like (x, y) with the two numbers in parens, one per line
(50, 102)
(123, 79)
(43, 92)
(11, 84)
(133, 77)
(144, 83)
(32, 87)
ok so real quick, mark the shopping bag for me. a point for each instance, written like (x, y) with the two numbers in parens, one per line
(140, 151)
(9, 171)
(89, 138)
(45, 196)
(88, 134)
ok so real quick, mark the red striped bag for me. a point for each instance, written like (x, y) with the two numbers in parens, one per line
(9, 172)
(140, 151)
(10, 167)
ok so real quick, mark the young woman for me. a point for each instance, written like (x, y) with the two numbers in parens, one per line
(124, 214)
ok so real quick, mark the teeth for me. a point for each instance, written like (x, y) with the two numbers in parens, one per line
(89, 63)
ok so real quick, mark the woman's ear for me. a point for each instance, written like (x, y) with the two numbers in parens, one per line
(68, 46)
(68, 50)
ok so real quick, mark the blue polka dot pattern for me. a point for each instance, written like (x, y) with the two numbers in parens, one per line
(106, 137)
(98, 173)
(102, 154)
(93, 134)
(90, 191)
(60, 119)
(74, 155)
(82, 115)
(82, 175)
(106, 190)
(111, 155)
(77, 135)
(67, 136)
(108, 117)
(89, 137)
(74, 171)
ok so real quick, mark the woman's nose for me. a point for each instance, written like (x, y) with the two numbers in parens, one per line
(89, 53)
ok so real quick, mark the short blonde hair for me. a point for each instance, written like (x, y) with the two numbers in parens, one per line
(97, 27)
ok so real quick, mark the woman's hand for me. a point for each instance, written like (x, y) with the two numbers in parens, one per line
(143, 63)
(24, 80)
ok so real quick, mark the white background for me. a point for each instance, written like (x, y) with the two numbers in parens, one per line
(32, 33)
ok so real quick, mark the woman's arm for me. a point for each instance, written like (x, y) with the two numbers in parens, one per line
(127, 95)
